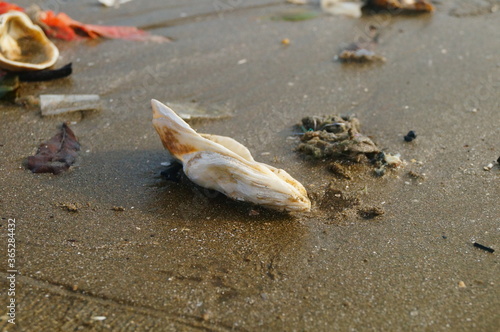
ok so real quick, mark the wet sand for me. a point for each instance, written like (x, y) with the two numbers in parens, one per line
(181, 258)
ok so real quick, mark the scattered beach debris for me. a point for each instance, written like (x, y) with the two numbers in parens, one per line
(339, 138)
(362, 50)
(480, 246)
(353, 8)
(46, 74)
(192, 111)
(70, 207)
(59, 104)
(113, 3)
(488, 167)
(23, 45)
(402, 5)
(57, 154)
(285, 41)
(383, 161)
(342, 7)
(9, 81)
(118, 208)
(410, 136)
(62, 26)
(371, 212)
(220, 163)
(461, 284)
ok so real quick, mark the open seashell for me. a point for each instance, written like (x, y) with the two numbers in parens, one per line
(23, 45)
(221, 163)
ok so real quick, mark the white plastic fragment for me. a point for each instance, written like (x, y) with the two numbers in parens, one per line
(342, 7)
(113, 3)
(59, 104)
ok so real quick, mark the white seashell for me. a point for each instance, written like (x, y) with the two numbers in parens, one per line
(23, 45)
(221, 163)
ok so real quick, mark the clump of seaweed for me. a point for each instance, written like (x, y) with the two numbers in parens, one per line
(336, 137)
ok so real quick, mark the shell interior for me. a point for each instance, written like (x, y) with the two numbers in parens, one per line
(23, 45)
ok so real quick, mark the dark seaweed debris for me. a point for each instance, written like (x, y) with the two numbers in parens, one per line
(173, 172)
(485, 248)
(335, 136)
(46, 74)
(338, 138)
(57, 154)
(410, 136)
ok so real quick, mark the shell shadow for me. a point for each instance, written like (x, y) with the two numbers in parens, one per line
(133, 179)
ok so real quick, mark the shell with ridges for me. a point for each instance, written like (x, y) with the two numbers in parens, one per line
(221, 163)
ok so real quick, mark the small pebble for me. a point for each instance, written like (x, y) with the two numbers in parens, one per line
(98, 318)
(461, 284)
(285, 41)
(253, 213)
(70, 207)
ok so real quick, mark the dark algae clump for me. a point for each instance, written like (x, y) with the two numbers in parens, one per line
(335, 137)
(339, 138)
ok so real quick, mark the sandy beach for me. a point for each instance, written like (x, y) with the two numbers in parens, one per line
(181, 258)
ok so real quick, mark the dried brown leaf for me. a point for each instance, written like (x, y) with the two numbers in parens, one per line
(57, 154)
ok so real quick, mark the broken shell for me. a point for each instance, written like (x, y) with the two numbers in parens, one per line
(221, 163)
(23, 45)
